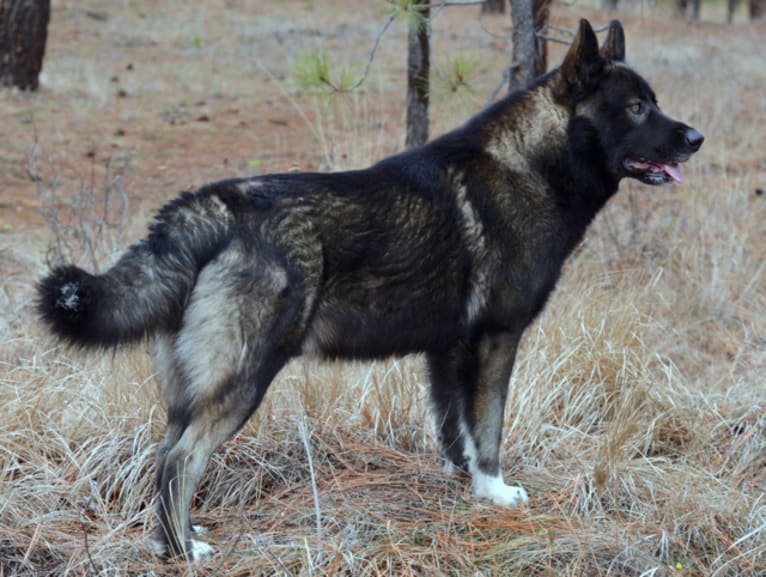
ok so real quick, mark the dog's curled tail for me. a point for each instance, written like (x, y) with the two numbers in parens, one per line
(147, 289)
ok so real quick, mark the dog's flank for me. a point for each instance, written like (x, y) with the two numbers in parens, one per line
(450, 249)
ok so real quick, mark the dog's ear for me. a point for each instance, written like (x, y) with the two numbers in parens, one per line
(583, 64)
(614, 45)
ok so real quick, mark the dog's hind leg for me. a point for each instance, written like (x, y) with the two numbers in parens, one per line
(242, 324)
(172, 389)
(469, 388)
(185, 462)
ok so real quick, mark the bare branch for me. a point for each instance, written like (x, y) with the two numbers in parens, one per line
(506, 73)
(371, 56)
(564, 31)
(391, 17)
(489, 32)
(455, 3)
(552, 38)
(441, 5)
(543, 33)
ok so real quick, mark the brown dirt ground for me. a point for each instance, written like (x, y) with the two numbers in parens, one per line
(159, 140)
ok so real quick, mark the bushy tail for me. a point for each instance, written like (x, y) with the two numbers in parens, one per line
(147, 289)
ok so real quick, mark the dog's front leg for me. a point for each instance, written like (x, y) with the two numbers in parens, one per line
(469, 384)
(482, 428)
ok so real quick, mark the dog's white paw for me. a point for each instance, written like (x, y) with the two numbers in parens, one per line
(200, 530)
(493, 488)
(200, 549)
(158, 547)
(510, 496)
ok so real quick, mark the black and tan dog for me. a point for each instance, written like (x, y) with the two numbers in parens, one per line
(450, 249)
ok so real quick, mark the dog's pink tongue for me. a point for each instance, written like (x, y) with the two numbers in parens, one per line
(674, 171)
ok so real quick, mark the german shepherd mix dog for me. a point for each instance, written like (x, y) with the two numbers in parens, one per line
(449, 249)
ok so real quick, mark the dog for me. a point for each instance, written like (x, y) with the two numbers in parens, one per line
(450, 249)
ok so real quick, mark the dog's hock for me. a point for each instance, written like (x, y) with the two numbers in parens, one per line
(494, 488)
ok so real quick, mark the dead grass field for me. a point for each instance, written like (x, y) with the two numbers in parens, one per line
(636, 419)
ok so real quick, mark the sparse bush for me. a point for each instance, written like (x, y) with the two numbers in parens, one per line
(86, 226)
(456, 74)
(313, 73)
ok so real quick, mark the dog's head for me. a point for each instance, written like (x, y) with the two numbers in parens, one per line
(618, 108)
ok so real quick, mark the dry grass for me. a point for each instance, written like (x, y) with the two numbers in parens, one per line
(636, 415)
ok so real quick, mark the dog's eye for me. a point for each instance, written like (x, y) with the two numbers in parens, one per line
(636, 108)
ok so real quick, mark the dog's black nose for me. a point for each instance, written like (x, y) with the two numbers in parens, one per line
(694, 139)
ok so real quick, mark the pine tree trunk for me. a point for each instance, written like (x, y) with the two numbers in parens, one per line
(683, 8)
(418, 66)
(523, 37)
(541, 11)
(23, 32)
(731, 5)
(757, 9)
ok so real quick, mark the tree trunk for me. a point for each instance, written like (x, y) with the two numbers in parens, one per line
(23, 32)
(683, 7)
(523, 37)
(731, 6)
(541, 10)
(757, 9)
(418, 65)
(493, 7)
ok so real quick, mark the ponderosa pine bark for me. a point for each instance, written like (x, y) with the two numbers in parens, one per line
(418, 68)
(23, 33)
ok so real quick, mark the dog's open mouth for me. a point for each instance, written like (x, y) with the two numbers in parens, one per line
(653, 172)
